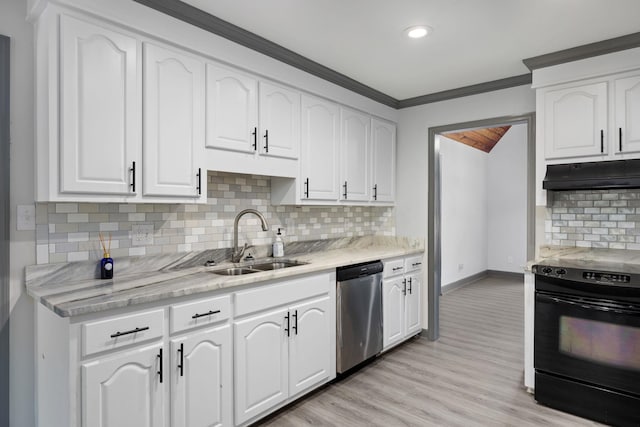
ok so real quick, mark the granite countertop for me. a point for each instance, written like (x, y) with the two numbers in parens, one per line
(614, 260)
(70, 289)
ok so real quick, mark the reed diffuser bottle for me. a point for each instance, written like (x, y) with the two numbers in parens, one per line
(106, 264)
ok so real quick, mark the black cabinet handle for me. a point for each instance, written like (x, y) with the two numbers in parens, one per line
(133, 177)
(397, 268)
(132, 331)
(601, 141)
(208, 313)
(287, 328)
(199, 175)
(295, 323)
(404, 287)
(266, 141)
(415, 264)
(410, 288)
(255, 138)
(181, 364)
(160, 371)
(375, 192)
(345, 190)
(306, 188)
(620, 138)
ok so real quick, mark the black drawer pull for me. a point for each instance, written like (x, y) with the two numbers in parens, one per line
(132, 331)
(415, 264)
(196, 316)
(397, 268)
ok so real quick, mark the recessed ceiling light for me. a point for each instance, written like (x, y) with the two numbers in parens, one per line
(418, 31)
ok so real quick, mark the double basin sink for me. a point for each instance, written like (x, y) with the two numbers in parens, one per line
(257, 268)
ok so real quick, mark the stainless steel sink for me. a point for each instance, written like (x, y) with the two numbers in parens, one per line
(257, 268)
(235, 271)
(276, 265)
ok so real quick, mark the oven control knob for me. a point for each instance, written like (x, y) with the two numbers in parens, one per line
(561, 271)
(547, 270)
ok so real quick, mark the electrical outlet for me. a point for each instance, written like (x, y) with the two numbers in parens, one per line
(510, 260)
(142, 234)
(26, 217)
(460, 267)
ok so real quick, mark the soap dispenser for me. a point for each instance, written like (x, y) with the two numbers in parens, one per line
(278, 246)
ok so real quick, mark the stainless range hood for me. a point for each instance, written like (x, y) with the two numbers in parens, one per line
(593, 175)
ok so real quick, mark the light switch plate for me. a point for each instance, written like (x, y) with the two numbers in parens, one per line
(142, 234)
(26, 218)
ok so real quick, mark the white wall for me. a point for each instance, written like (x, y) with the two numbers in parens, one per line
(22, 246)
(463, 172)
(507, 202)
(413, 128)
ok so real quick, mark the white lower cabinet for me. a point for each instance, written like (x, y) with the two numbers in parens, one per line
(401, 300)
(201, 382)
(124, 390)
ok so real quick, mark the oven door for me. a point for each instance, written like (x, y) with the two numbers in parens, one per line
(588, 340)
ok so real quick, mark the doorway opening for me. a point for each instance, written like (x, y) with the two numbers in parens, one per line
(434, 245)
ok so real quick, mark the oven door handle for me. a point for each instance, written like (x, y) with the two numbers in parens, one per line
(582, 304)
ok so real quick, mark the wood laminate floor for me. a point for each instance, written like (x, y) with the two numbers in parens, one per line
(471, 376)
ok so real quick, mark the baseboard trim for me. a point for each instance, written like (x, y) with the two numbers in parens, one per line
(479, 276)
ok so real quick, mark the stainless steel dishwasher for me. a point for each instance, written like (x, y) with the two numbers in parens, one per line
(359, 314)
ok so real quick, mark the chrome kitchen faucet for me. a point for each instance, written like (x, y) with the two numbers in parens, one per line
(236, 256)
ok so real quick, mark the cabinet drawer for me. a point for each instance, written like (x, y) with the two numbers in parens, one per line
(413, 263)
(393, 267)
(269, 296)
(199, 313)
(119, 331)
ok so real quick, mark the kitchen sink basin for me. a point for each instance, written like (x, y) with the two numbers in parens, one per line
(235, 271)
(276, 265)
(257, 268)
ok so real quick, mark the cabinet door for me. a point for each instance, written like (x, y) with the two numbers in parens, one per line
(232, 110)
(201, 389)
(124, 390)
(412, 305)
(319, 149)
(392, 311)
(575, 121)
(261, 363)
(309, 346)
(627, 115)
(173, 141)
(354, 159)
(279, 121)
(100, 109)
(383, 149)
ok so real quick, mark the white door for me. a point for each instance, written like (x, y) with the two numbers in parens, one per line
(309, 346)
(100, 109)
(383, 150)
(125, 390)
(261, 363)
(173, 143)
(627, 115)
(412, 305)
(354, 159)
(201, 383)
(575, 121)
(392, 311)
(279, 121)
(319, 149)
(232, 110)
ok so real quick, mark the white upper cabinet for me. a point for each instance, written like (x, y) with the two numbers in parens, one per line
(319, 149)
(279, 121)
(355, 155)
(575, 121)
(232, 110)
(627, 115)
(383, 163)
(173, 124)
(100, 109)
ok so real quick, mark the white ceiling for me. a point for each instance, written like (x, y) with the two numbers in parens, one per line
(474, 41)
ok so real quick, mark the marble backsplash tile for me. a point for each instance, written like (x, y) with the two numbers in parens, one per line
(595, 219)
(67, 232)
